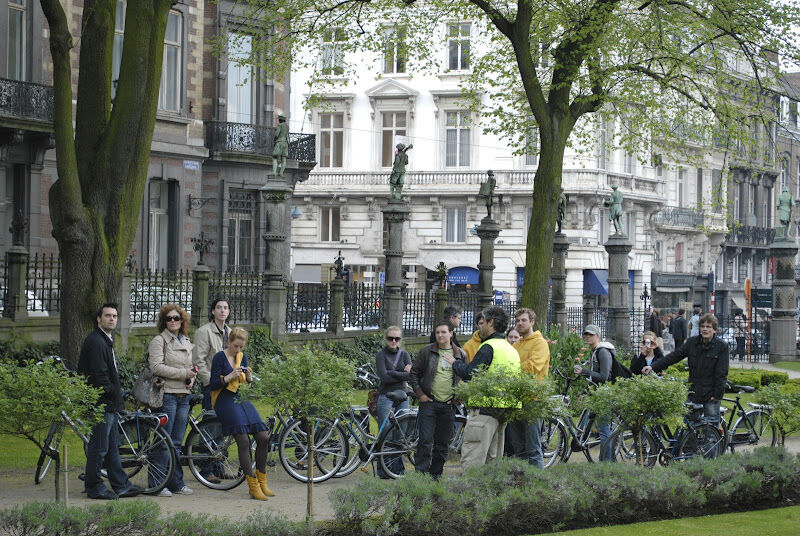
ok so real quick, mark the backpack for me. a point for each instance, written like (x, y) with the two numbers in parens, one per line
(618, 370)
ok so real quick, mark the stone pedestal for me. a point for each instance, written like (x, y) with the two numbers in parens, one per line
(488, 231)
(336, 313)
(618, 247)
(558, 273)
(394, 214)
(277, 199)
(16, 306)
(588, 312)
(200, 299)
(782, 335)
(440, 302)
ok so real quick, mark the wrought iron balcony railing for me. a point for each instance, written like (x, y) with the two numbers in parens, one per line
(224, 137)
(26, 100)
(679, 217)
(749, 235)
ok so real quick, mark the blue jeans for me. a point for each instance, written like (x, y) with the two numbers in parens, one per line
(177, 409)
(384, 405)
(436, 422)
(526, 441)
(604, 429)
(103, 452)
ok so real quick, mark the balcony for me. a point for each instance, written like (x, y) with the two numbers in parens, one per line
(679, 217)
(26, 101)
(256, 140)
(747, 235)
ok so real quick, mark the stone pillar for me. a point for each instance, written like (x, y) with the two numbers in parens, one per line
(124, 301)
(488, 231)
(440, 302)
(16, 306)
(200, 278)
(588, 312)
(618, 248)
(277, 197)
(336, 313)
(394, 214)
(558, 273)
(782, 342)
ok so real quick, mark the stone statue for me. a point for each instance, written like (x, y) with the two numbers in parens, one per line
(280, 147)
(614, 202)
(562, 210)
(338, 263)
(785, 204)
(487, 191)
(398, 175)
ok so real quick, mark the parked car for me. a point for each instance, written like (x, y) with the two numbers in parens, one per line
(758, 342)
(35, 307)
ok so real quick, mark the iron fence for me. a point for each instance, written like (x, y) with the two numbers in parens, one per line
(363, 306)
(150, 290)
(244, 292)
(307, 307)
(5, 285)
(42, 283)
(418, 312)
(468, 301)
(26, 100)
(303, 147)
(747, 340)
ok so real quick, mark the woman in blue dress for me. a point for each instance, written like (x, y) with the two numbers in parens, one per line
(238, 417)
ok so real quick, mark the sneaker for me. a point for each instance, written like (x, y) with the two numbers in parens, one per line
(185, 490)
(164, 493)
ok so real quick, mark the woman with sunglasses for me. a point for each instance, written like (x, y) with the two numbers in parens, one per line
(170, 357)
(393, 365)
(650, 352)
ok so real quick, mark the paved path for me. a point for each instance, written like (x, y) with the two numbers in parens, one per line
(764, 366)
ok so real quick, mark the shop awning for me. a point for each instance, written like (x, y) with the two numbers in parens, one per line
(595, 282)
(463, 275)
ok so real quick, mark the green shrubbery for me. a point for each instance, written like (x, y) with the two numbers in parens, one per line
(17, 350)
(785, 403)
(745, 377)
(511, 497)
(773, 376)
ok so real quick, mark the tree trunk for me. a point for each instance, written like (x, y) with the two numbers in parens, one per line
(539, 248)
(310, 483)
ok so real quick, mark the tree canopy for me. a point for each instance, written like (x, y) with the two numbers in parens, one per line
(678, 74)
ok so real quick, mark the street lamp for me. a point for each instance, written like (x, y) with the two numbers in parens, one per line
(644, 296)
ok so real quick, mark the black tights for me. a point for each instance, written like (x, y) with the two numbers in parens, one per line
(243, 444)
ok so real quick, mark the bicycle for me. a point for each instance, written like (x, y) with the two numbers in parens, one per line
(143, 446)
(746, 432)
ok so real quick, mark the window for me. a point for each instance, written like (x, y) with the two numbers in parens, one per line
(119, 36)
(604, 141)
(603, 229)
(798, 178)
(630, 227)
(679, 257)
(719, 269)
(749, 268)
(532, 147)
(681, 186)
(169, 97)
(717, 193)
(331, 139)
(455, 224)
(332, 53)
(660, 172)
(766, 205)
(393, 125)
(240, 79)
(394, 51)
(629, 158)
(735, 269)
(784, 173)
(240, 231)
(158, 238)
(763, 270)
(658, 248)
(329, 224)
(457, 133)
(699, 188)
(751, 201)
(458, 46)
(16, 39)
(784, 109)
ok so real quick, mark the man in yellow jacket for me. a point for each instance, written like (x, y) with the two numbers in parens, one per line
(471, 346)
(534, 357)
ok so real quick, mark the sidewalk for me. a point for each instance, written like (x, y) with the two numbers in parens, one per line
(764, 366)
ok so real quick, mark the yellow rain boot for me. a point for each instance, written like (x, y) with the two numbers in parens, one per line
(255, 489)
(262, 481)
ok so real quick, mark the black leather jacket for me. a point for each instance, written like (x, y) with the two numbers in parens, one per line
(708, 367)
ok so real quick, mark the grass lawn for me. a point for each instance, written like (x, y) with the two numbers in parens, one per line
(777, 521)
(789, 365)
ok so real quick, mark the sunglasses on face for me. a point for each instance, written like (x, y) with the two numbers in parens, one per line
(173, 319)
(394, 339)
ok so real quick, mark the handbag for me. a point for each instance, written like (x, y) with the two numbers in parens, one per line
(149, 388)
(398, 395)
(372, 402)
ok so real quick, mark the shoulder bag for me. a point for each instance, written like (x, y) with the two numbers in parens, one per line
(149, 388)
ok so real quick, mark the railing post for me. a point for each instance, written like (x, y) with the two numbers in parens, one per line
(124, 301)
(558, 274)
(16, 306)
(394, 214)
(336, 313)
(440, 302)
(200, 277)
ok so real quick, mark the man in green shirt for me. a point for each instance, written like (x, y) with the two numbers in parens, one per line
(434, 381)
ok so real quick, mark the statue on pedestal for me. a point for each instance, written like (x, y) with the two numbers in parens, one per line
(487, 191)
(338, 263)
(562, 210)
(280, 146)
(398, 175)
(785, 204)
(614, 204)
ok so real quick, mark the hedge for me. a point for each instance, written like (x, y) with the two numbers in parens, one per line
(773, 376)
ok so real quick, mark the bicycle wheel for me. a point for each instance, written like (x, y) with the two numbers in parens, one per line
(705, 440)
(330, 450)
(591, 441)
(146, 453)
(554, 441)
(51, 443)
(209, 452)
(353, 461)
(752, 428)
(627, 448)
(399, 441)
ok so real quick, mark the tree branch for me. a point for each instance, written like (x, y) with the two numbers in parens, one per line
(498, 19)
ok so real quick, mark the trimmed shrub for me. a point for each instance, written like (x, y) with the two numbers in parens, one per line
(18, 350)
(773, 376)
(745, 377)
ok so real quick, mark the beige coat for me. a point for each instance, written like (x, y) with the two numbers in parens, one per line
(208, 342)
(171, 361)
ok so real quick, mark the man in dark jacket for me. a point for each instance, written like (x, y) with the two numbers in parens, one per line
(98, 363)
(434, 380)
(679, 328)
(451, 313)
(708, 366)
